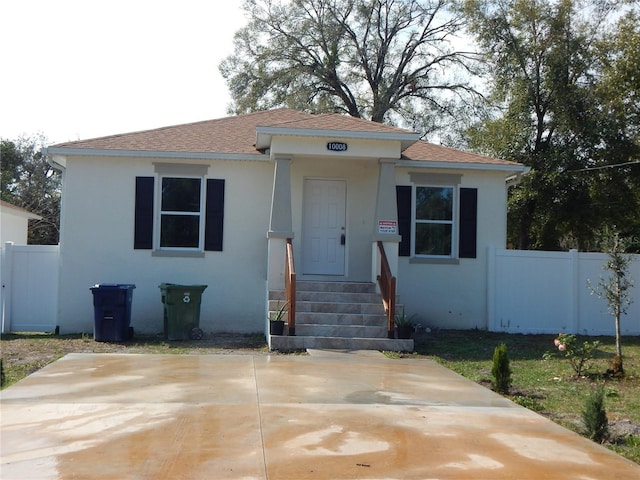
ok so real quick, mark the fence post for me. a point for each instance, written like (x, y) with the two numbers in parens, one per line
(491, 289)
(7, 280)
(574, 317)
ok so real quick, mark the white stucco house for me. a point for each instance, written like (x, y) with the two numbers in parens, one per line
(216, 203)
(14, 223)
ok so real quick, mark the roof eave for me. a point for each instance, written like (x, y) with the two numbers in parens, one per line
(495, 167)
(264, 135)
(97, 152)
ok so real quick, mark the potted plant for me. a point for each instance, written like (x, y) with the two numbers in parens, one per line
(404, 325)
(276, 322)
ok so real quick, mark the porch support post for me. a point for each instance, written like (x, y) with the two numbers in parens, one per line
(386, 232)
(386, 219)
(280, 223)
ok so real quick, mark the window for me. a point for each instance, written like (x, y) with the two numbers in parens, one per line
(190, 213)
(434, 220)
(181, 204)
(437, 221)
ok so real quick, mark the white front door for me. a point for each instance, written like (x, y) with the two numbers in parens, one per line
(323, 227)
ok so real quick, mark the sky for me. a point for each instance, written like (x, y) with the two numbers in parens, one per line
(78, 69)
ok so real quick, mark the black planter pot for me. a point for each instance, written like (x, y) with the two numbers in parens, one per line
(404, 332)
(276, 327)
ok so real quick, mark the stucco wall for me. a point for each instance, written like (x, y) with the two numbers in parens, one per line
(455, 295)
(13, 228)
(97, 246)
(98, 227)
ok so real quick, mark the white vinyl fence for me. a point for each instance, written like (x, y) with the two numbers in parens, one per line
(547, 292)
(29, 294)
(528, 291)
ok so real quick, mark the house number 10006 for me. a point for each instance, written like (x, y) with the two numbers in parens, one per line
(337, 146)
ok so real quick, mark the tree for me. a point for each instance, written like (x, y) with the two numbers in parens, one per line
(616, 289)
(385, 60)
(618, 189)
(549, 115)
(28, 181)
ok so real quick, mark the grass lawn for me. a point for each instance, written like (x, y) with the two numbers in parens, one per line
(548, 387)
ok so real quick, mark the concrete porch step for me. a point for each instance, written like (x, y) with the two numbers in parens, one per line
(342, 287)
(336, 315)
(287, 343)
(358, 308)
(339, 318)
(346, 331)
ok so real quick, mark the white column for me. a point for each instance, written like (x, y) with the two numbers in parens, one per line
(386, 220)
(280, 222)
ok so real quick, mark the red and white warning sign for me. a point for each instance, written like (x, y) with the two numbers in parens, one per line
(387, 226)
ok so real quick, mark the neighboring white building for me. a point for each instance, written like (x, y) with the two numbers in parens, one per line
(14, 223)
(214, 203)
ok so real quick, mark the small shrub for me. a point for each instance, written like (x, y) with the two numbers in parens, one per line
(594, 416)
(579, 356)
(501, 371)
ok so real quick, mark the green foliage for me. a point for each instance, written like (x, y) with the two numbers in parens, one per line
(402, 320)
(580, 356)
(500, 370)
(594, 416)
(556, 111)
(382, 60)
(29, 182)
(278, 315)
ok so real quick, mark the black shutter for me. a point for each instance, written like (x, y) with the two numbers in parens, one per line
(403, 198)
(468, 222)
(214, 216)
(143, 229)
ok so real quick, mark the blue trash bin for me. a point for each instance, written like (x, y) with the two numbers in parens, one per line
(112, 312)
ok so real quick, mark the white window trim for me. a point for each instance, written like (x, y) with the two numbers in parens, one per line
(171, 170)
(454, 222)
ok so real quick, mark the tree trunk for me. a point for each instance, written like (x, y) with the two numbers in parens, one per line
(619, 365)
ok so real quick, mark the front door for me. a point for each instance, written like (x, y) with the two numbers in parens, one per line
(323, 227)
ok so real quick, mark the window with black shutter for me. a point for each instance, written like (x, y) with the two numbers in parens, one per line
(189, 215)
(427, 222)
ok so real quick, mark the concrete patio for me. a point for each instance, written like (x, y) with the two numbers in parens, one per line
(329, 415)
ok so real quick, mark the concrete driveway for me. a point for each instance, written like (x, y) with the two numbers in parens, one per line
(325, 416)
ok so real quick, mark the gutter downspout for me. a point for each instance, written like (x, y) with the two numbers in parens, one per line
(59, 162)
(514, 180)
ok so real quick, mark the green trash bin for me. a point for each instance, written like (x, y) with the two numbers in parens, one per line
(181, 305)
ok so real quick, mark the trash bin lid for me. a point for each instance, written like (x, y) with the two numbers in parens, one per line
(113, 286)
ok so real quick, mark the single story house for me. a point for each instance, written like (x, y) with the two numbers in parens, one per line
(232, 203)
(14, 223)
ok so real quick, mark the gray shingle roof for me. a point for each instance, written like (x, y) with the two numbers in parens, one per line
(237, 135)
